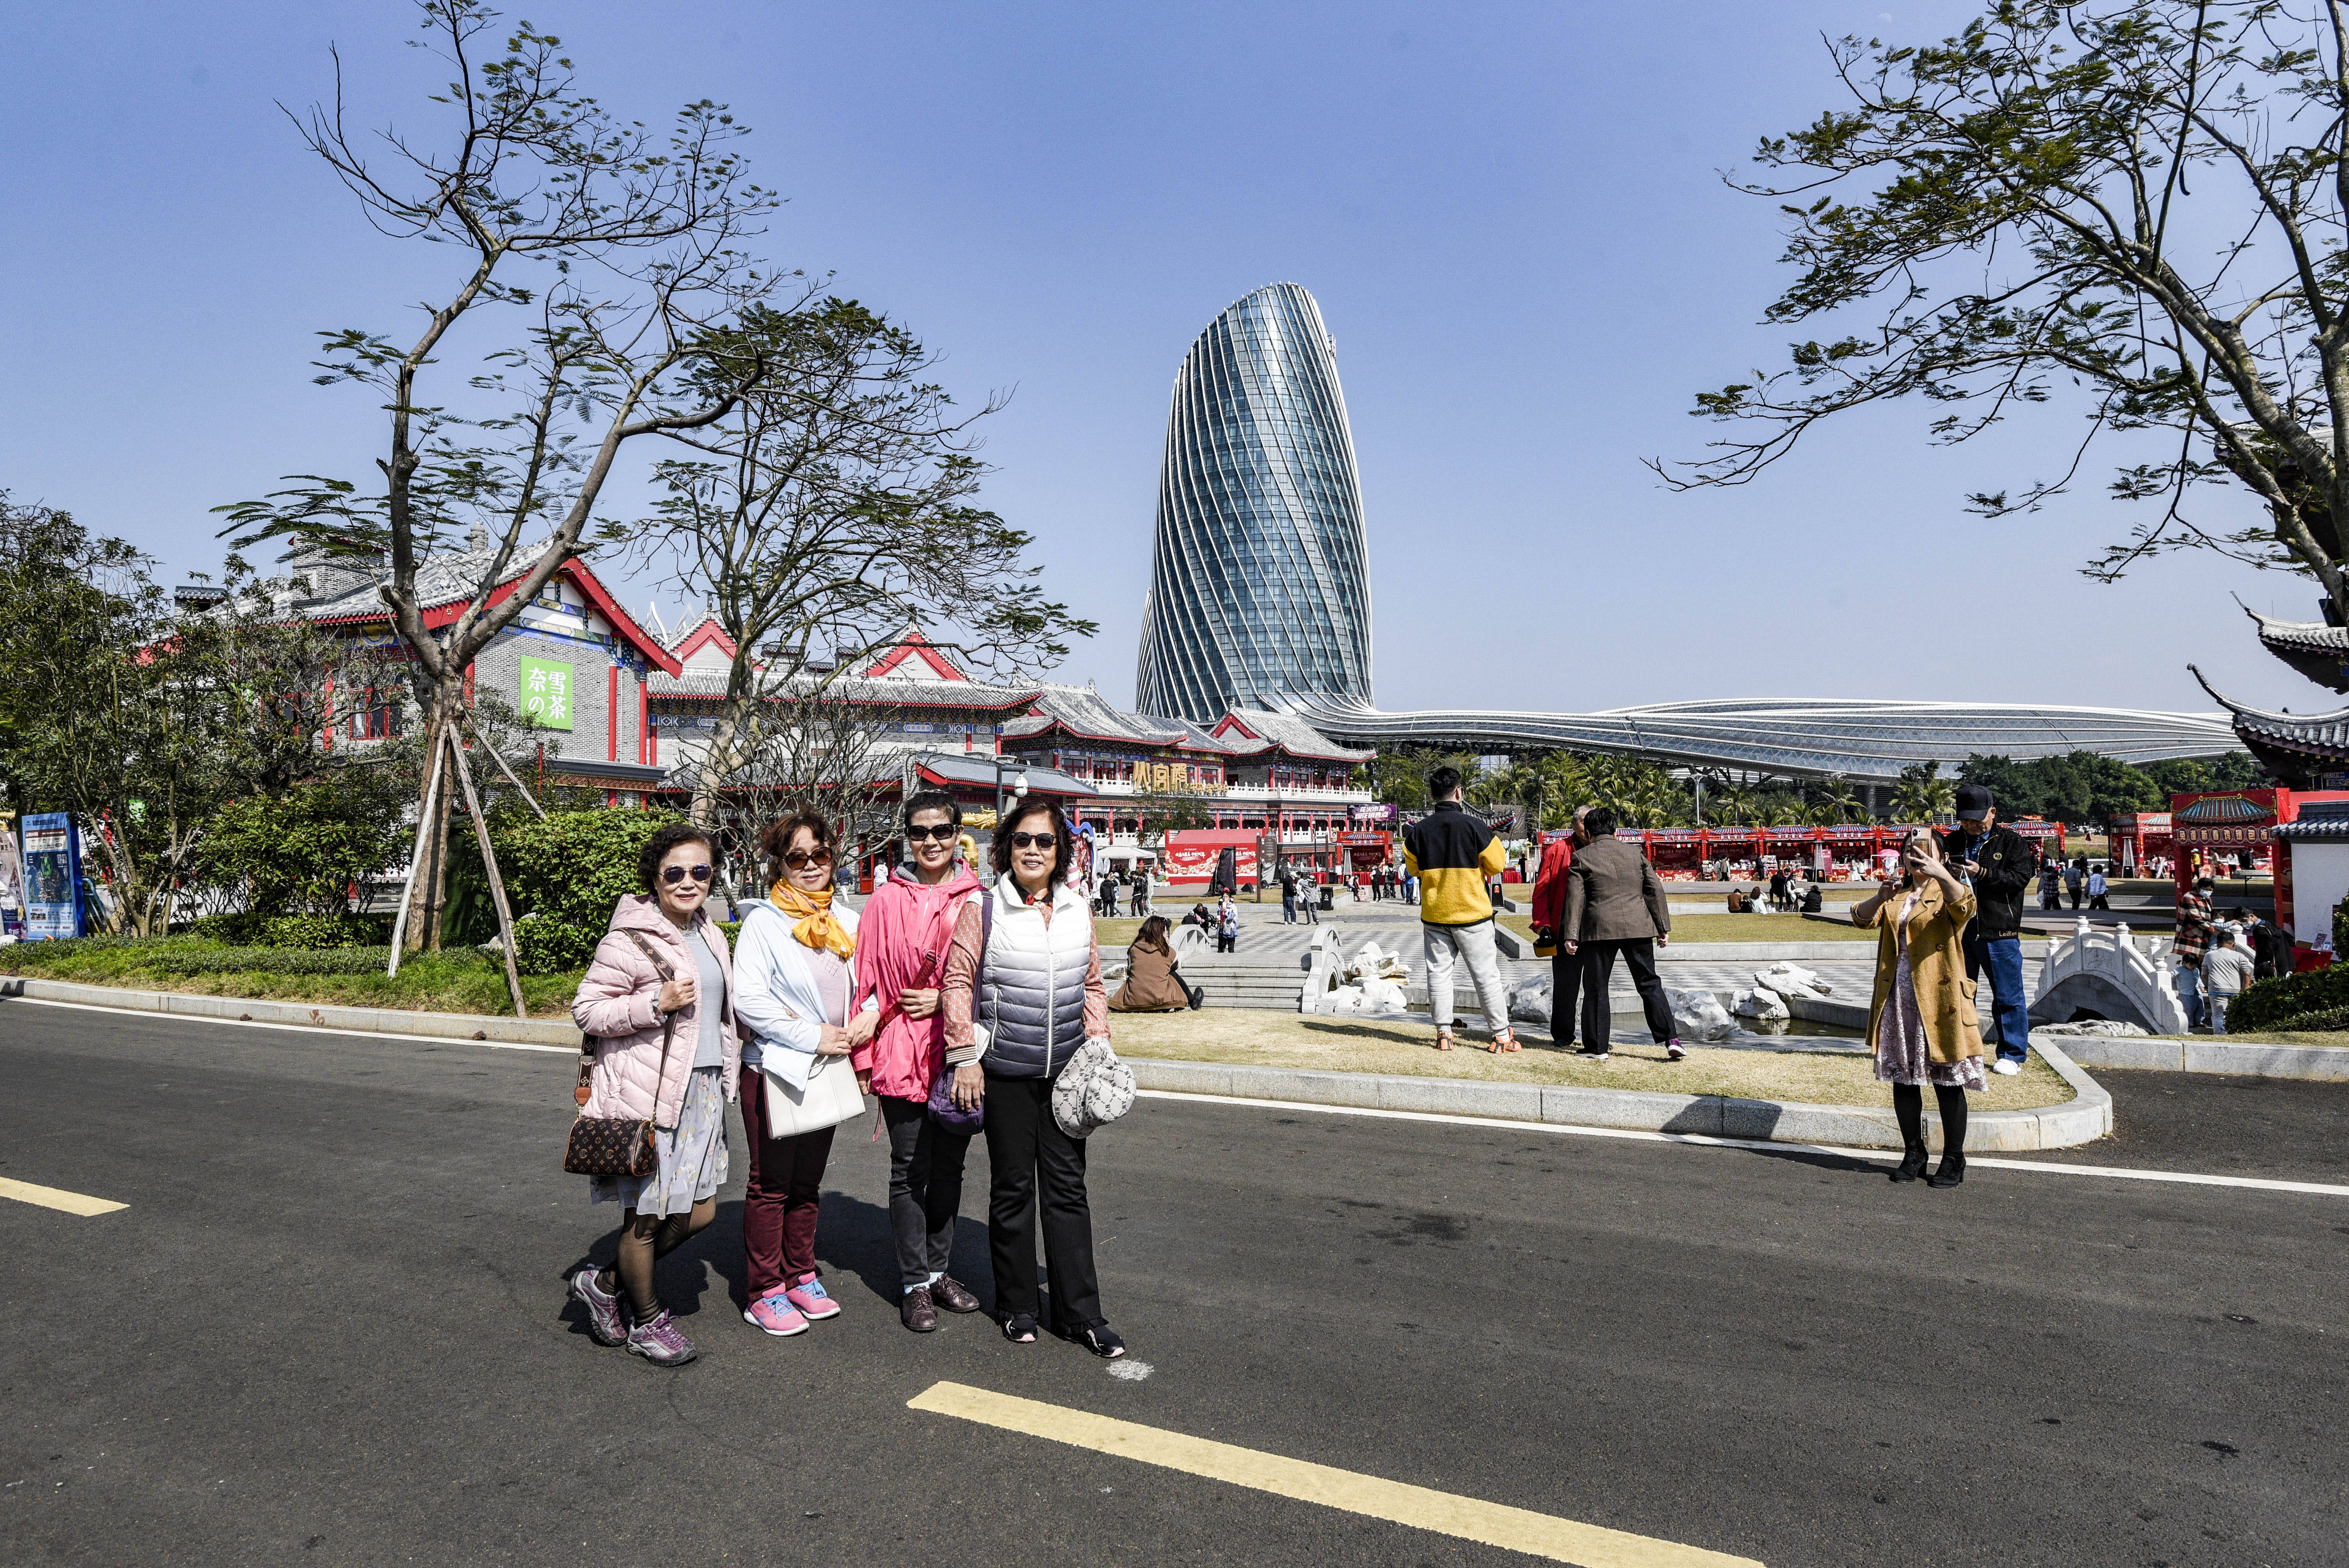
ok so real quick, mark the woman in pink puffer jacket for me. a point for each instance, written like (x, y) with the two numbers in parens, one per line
(666, 1049)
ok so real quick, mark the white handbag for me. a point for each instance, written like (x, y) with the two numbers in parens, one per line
(829, 1097)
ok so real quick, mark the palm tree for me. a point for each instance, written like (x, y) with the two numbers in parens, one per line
(1922, 794)
(1834, 800)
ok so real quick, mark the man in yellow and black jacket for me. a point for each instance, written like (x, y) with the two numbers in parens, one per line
(1454, 854)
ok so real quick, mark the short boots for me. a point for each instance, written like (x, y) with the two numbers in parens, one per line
(1912, 1165)
(1952, 1171)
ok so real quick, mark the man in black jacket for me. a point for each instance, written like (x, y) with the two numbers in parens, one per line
(1999, 864)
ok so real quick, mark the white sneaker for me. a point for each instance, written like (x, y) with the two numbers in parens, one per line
(2005, 1067)
(1674, 1050)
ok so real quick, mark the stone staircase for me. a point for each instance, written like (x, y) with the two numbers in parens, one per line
(1267, 972)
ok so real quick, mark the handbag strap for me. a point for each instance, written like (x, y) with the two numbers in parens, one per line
(986, 941)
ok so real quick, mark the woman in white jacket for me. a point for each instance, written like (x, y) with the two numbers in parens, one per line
(795, 973)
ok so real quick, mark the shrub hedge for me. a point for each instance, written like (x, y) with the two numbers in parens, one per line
(294, 930)
(563, 877)
(199, 955)
(2266, 1004)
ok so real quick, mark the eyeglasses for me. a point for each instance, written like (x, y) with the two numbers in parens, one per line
(942, 832)
(1034, 840)
(798, 858)
(675, 874)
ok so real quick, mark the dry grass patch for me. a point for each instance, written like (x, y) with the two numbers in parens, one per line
(1335, 1045)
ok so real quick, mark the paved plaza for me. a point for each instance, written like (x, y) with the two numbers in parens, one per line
(330, 1326)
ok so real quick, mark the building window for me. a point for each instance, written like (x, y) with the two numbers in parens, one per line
(377, 716)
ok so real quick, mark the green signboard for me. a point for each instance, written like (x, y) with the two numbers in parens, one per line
(545, 696)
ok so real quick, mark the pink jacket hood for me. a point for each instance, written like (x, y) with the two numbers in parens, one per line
(901, 942)
(619, 1003)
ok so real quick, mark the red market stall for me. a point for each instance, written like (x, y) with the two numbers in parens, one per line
(1189, 855)
(2140, 840)
(1363, 851)
(1677, 854)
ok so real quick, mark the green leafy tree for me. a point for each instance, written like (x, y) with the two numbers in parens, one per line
(2133, 210)
(1923, 795)
(301, 852)
(598, 271)
(563, 877)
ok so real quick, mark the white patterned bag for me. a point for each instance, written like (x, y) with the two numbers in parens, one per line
(1093, 1089)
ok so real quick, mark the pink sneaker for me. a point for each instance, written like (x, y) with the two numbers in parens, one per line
(808, 1296)
(775, 1315)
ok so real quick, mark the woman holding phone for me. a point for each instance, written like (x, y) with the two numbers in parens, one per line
(1024, 966)
(908, 926)
(1922, 1021)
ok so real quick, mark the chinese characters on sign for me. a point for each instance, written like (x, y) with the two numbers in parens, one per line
(1175, 779)
(546, 695)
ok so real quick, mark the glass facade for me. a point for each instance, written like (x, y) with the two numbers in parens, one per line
(1259, 591)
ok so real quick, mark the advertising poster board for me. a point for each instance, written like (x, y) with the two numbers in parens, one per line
(52, 886)
(545, 693)
(12, 886)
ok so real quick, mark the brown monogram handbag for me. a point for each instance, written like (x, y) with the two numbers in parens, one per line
(617, 1145)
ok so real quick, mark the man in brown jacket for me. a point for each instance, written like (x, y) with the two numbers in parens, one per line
(1616, 904)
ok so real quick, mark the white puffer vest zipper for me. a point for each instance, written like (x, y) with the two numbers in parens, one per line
(1031, 991)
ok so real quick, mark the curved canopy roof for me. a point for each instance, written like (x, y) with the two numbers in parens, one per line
(1866, 741)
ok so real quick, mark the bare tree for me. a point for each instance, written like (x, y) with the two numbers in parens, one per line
(2144, 200)
(614, 252)
(827, 511)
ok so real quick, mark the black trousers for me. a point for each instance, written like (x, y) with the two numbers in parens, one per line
(1024, 1144)
(924, 1188)
(1564, 991)
(1599, 968)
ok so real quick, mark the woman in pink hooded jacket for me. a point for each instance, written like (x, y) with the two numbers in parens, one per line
(900, 958)
(665, 1050)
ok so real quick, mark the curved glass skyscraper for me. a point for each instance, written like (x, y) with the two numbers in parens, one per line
(1259, 592)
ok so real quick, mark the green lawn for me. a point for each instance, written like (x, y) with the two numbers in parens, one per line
(1738, 928)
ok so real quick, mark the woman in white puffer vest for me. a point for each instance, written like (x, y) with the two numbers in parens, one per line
(1024, 967)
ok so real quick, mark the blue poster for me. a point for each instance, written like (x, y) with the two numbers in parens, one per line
(52, 887)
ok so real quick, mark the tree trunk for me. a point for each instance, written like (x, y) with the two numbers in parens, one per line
(429, 875)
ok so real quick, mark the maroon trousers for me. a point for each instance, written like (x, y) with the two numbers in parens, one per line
(778, 1201)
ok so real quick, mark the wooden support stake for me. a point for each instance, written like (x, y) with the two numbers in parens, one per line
(531, 800)
(423, 827)
(489, 864)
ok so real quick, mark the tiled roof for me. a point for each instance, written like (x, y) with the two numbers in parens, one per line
(697, 682)
(2288, 742)
(1041, 781)
(1294, 735)
(449, 579)
(2319, 651)
(1085, 713)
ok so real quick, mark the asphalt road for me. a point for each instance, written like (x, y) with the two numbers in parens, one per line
(330, 1327)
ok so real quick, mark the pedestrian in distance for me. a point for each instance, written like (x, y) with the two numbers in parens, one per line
(1152, 982)
(666, 1049)
(2050, 886)
(1548, 915)
(1616, 908)
(1288, 896)
(794, 959)
(1227, 926)
(2226, 970)
(1025, 967)
(1138, 907)
(2097, 888)
(2188, 946)
(1308, 898)
(1922, 1022)
(902, 937)
(1997, 863)
(1454, 853)
(2076, 879)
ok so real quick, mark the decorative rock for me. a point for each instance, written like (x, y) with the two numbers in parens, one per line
(2111, 1028)
(1760, 1003)
(1699, 1015)
(1793, 980)
(1529, 1001)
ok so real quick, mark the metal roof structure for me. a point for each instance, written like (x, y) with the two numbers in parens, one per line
(1868, 742)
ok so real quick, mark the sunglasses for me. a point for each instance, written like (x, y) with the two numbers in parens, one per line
(800, 858)
(675, 874)
(1034, 840)
(942, 832)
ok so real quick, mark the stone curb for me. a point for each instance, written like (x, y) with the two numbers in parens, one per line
(2082, 1119)
(357, 1020)
(2160, 1054)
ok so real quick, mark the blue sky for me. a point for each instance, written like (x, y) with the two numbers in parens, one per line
(1512, 217)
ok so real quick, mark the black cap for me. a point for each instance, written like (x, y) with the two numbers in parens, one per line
(1973, 802)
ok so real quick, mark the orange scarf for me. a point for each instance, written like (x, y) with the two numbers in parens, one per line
(817, 927)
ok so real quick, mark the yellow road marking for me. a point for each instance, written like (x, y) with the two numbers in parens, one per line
(1472, 1519)
(57, 1198)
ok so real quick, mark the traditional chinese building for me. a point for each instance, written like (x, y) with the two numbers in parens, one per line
(573, 663)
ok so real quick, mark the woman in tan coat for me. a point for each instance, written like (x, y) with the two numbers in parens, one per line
(1923, 1020)
(1151, 985)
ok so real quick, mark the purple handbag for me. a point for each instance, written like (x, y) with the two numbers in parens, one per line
(943, 1110)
